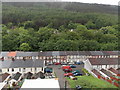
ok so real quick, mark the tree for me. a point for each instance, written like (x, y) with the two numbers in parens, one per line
(90, 25)
(24, 47)
(81, 28)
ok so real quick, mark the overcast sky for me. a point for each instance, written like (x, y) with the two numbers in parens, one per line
(111, 2)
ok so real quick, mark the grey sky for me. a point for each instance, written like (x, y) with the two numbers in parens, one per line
(111, 2)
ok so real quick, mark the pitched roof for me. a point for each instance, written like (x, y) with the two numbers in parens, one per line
(96, 72)
(96, 53)
(28, 75)
(21, 63)
(104, 61)
(12, 54)
(16, 76)
(23, 54)
(106, 72)
(49, 53)
(72, 53)
(4, 54)
(113, 70)
(82, 52)
(3, 77)
(55, 53)
(110, 52)
(62, 53)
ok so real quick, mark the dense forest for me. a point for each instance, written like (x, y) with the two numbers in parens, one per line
(59, 26)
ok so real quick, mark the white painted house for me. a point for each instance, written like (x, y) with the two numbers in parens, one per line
(101, 63)
(22, 66)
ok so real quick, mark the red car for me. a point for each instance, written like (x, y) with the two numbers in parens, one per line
(68, 74)
(65, 67)
(57, 63)
(67, 70)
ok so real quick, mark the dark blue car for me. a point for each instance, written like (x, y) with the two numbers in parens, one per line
(72, 66)
(77, 74)
(78, 63)
(47, 70)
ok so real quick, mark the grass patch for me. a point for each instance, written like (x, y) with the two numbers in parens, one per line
(89, 82)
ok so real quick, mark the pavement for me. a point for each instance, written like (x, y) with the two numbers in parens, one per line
(60, 74)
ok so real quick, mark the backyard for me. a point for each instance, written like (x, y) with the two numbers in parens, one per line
(89, 82)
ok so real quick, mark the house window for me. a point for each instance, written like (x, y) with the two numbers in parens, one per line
(12, 69)
(35, 69)
(8, 70)
(20, 69)
(23, 69)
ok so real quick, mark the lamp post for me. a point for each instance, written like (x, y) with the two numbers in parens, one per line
(65, 85)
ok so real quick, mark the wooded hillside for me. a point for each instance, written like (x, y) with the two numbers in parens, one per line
(59, 26)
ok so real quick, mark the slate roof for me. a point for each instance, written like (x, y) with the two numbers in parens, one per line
(4, 54)
(21, 63)
(104, 61)
(72, 53)
(96, 53)
(28, 75)
(49, 53)
(3, 77)
(110, 52)
(113, 70)
(41, 53)
(58, 53)
(62, 53)
(38, 63)
(82, 52)
(106, 72)
(23, 54)
(37, 75)
(16, 76)
(96, 72)
(88, 53)
(55, 53)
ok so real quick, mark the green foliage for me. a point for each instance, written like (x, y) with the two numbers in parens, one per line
(24, 47)
(90, 82)
(49, 26)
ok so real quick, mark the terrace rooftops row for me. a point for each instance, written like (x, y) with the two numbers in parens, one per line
(58, 53)
(21, 63)
(104, 61)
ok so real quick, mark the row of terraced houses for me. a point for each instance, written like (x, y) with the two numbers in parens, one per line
(101, 64)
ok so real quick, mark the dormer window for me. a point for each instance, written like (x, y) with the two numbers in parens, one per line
(24, 58)
(2, 58)
(13, 59)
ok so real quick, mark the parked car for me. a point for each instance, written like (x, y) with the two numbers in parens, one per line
(73, 78)
(67, 70)
(77, 74)
(57, 63)
(64, 63)
(50, 63)
(76, 71)
(48, 70)
(70, 63)
(78, 63)
(66, 67)
(68, 74)
(78, 87)
(72, 66)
